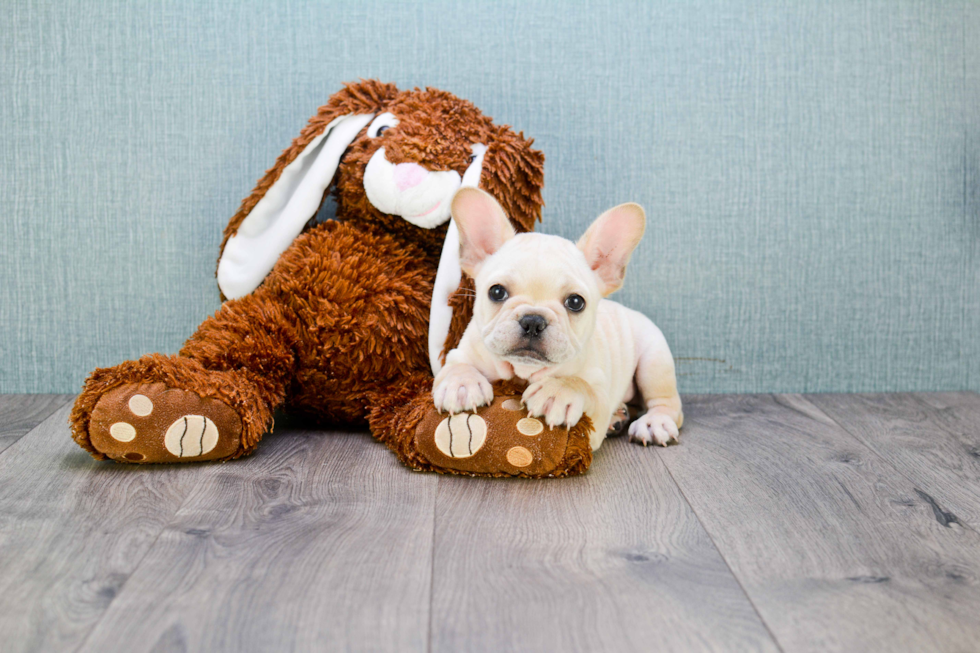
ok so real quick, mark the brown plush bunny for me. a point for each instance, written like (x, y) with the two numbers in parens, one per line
(344, 320)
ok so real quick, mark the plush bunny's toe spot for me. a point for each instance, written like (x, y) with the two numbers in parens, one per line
(512, 405)
(141, 405)
(519, 457)
(153, 423)
(123, 432)
(530, 426)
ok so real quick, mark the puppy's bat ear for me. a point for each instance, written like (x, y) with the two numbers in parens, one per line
(483, 227)
(514, 172)
(610, 241)
(292, 190)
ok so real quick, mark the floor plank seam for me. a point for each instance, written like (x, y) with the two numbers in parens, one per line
(432, 563)
(917, 486)
(41, 424)
(724, 559)
(68, 399)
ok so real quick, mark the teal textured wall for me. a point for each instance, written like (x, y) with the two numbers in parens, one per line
(811, 170)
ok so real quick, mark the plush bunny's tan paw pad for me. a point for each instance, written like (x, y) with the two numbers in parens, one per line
(151, 423)
(461, 436)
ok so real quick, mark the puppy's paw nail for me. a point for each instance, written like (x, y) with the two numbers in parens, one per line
(655, 428)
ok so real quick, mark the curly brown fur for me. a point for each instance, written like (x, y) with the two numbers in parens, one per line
(364, 314)
(461, 303)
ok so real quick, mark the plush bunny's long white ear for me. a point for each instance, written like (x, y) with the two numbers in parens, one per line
(449, 273)
(285, 209)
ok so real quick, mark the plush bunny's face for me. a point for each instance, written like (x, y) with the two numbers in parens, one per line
(404, 168)
(412, 191)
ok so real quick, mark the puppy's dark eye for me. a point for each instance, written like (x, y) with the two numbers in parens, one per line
(471, 158)
(382, 129)
(574, 303)
(497, 293)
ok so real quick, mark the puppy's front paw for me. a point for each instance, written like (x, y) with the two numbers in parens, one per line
(461, 388)
(653, 427)
(558, 400)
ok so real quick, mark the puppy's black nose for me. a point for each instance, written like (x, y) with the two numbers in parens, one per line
(533, 325)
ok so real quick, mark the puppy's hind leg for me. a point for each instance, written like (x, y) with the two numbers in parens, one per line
(657, 382)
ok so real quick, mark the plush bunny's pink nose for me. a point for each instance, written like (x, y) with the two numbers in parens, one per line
(408, 175)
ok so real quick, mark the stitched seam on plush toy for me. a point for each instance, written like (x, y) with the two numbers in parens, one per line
(182, 437)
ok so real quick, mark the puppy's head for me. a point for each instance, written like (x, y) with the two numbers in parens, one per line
(537, 295)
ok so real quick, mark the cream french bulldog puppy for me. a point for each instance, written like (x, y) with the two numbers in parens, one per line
(540, 315)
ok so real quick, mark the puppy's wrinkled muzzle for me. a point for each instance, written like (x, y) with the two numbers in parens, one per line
(531, 345)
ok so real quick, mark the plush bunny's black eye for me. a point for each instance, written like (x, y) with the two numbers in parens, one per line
(498, 293)
(381, 124)
(471, 158)
(574, 303)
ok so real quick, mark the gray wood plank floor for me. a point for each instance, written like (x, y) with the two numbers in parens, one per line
(21, 413)
(931, 439)
(611, 561)
(835, 547)
(787, 522)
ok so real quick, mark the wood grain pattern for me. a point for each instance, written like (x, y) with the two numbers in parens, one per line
(931, 438)
(613, 561)
(317, 542)
(836, 549)
(72, 530)
(20, 413)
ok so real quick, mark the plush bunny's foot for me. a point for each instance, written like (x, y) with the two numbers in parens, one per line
(151, 423)
(168, 409)
(502, 439)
